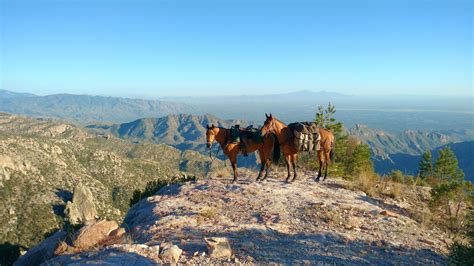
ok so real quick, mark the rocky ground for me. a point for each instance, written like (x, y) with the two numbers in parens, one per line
(271, 222)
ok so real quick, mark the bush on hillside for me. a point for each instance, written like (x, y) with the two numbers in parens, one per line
(463, 253)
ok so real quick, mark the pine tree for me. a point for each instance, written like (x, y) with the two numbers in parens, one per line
(360, 161)
(446, 166)
(325, 118)
(426, 165)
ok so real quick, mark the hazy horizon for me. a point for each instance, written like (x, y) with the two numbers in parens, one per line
(164, 97)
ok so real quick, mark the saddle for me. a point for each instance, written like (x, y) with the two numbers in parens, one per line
(306, 136)
(238, 134)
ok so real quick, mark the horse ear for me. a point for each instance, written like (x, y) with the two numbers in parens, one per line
(270, 115)
(266, 115)
(207, 126)
(212, 126)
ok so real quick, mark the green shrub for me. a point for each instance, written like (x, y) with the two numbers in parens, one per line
(409, 180)
(463, 254)
(397, 176)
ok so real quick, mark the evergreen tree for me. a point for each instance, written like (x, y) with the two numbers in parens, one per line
(452, 196)
(446, 166)
(360, 161)
(325, 118)
(426, 165)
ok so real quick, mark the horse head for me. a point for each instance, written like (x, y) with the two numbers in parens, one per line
(210, 135)
(268, 125)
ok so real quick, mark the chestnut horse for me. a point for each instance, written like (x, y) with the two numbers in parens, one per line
(285, 138)
(231, 150)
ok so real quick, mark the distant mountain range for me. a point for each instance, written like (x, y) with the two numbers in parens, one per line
(86, 108)
(393, 112)
(185, 132)
(411, 142)
(182, 131)
(391, 150)
(409, 164)
(403, 150)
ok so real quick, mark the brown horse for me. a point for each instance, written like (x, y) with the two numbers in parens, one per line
(285, 138)
(231, 150)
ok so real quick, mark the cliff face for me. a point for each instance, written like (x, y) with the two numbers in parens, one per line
(272, 222)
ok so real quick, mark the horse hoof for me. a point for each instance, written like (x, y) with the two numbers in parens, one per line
(317, 180)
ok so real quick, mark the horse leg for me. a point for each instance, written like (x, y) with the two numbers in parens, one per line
(267, 169)
(233, 161)
(293, 162)
(320, 159)
(287, 160)
(266, 159)
(327, 160)
(262, 165)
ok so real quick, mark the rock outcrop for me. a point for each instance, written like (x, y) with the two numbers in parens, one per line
(82, 208)
(92, 235)
(270, 222)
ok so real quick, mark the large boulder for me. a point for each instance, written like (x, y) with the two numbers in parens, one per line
(103, 233)
(93, 234)
(82, 208)
(218, 247)
(43, 251)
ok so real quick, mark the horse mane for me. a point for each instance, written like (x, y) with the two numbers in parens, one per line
(280, 121)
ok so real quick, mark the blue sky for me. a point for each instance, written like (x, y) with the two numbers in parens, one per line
(177, 48)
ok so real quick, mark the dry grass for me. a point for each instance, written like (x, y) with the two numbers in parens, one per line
(396, 190)
(367, 182)
(220, 173)
(331, 217)
(207, 214)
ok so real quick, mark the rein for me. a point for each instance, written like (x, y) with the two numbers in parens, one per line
(215, 156)
(219, 148)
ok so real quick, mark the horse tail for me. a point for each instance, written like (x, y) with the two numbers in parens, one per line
(276, 150)
(332, 153)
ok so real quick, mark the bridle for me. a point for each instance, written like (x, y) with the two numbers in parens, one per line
(218, 149)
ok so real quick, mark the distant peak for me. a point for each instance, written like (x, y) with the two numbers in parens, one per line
(307, 92)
